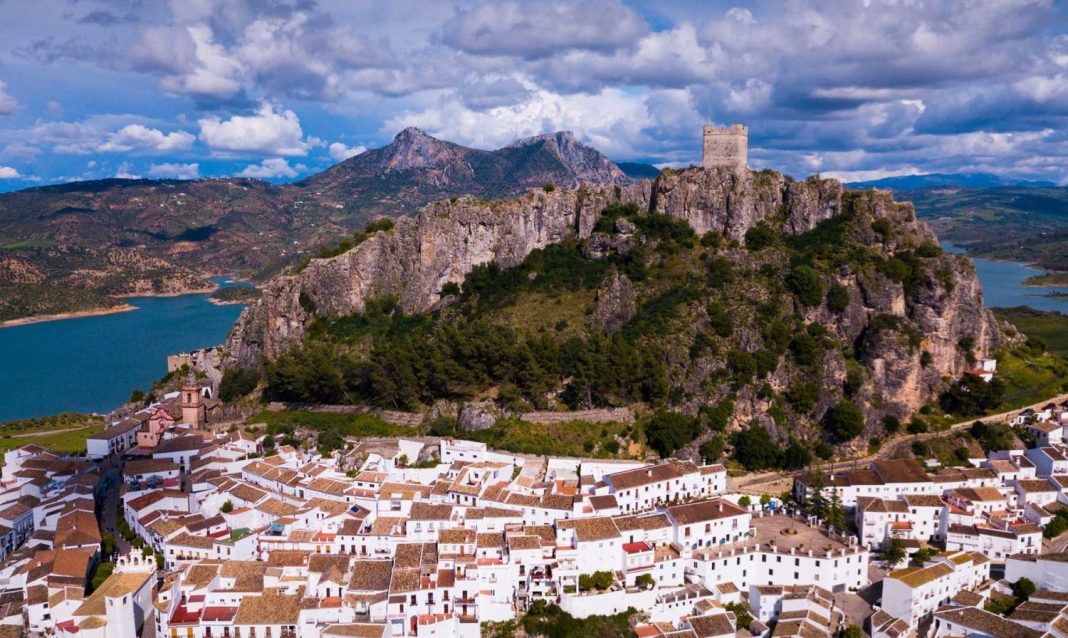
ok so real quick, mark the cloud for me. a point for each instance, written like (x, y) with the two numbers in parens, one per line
(223, 50)
(8, 104)
(136, 136)
(267, 132)
(174, 171)
(612, 120)
(6, 172)
(124, 172)
(271, 168)
(542, 29)
(339, 152)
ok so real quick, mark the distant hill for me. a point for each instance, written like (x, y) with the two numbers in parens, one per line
(942, 180)
(637, 170)
(415, 169)
(74, 246)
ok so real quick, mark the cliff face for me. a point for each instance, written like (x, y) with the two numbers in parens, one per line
(937, 310)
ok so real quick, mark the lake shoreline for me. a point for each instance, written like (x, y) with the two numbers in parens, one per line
(62, 316)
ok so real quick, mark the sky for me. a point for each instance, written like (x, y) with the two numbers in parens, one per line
(280, 89)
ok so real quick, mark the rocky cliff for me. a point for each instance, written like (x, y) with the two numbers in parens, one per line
(908, 313)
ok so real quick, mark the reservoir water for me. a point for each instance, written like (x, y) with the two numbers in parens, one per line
(91, 364)
(1003, 284)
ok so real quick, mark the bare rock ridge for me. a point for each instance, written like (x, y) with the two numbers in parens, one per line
(416, 168)
(448, 238)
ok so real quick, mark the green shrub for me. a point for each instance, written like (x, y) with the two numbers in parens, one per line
(719, 319)
(843, 421)
(837, 298)
(549, 187)
(755, 449)
(804, 282)
(760, 237)
(238, 382)
(712, 449)
(891, 424)
(917, 425)
(600, 580)
(667, 431)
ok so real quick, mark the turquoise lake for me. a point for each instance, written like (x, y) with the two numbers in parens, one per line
(1003, 284)
(91, 364)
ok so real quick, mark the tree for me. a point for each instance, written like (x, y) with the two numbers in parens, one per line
(668, 431)
(137, 396)
(804, 282)
(227, 507)
(917, 425)
(835, 514)
(837, 298)
(754, 448)
(238, 382)
(719, 319)
(645, 581)
(843, 421)
(891, 423)
(921, 556)
(894, 552)
(712, 449)
(765, 499)
(796, 456)
(1023, 588)
(853, 631)
(741, 614)
(745, 501)
(600, 580)
(759, 237)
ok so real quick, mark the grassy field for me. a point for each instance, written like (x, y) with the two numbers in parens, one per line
(571, 438)
(343, 424)
(1050, 327)
(62, 433)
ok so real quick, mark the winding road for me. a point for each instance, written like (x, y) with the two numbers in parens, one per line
(761, 482)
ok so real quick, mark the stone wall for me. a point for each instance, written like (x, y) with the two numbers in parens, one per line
(727, 147)
(612, 415)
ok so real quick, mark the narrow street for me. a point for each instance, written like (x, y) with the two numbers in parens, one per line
(111, 471)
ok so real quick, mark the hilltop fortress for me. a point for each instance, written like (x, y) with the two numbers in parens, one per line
(725, 146)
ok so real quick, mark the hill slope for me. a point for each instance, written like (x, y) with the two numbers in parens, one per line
(746, 298)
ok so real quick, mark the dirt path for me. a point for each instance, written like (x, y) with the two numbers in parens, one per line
(767, 481)
(49, 432)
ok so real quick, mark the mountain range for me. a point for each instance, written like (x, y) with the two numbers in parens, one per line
(948, 180)
(75, 247)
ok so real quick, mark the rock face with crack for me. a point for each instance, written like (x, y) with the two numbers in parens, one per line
(892, 323)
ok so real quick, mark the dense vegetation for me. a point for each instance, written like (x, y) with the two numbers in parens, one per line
(550, 621)
(714, 326)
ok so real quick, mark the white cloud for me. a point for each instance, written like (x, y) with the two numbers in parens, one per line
(611, 120)
(339, 152)
(123, 172)
(268, 168)
(136, 136)
(6, 172)
(542, 29)
(8, 104)
(268, 132)
(174, 171)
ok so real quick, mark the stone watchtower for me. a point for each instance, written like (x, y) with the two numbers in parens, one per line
(725, 147)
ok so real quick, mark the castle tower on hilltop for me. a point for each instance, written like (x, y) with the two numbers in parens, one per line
(725, 147)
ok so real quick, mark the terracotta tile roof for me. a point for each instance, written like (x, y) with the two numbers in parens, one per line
(371, 575)
(702, 511)
(268, 609)
(986, 623)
